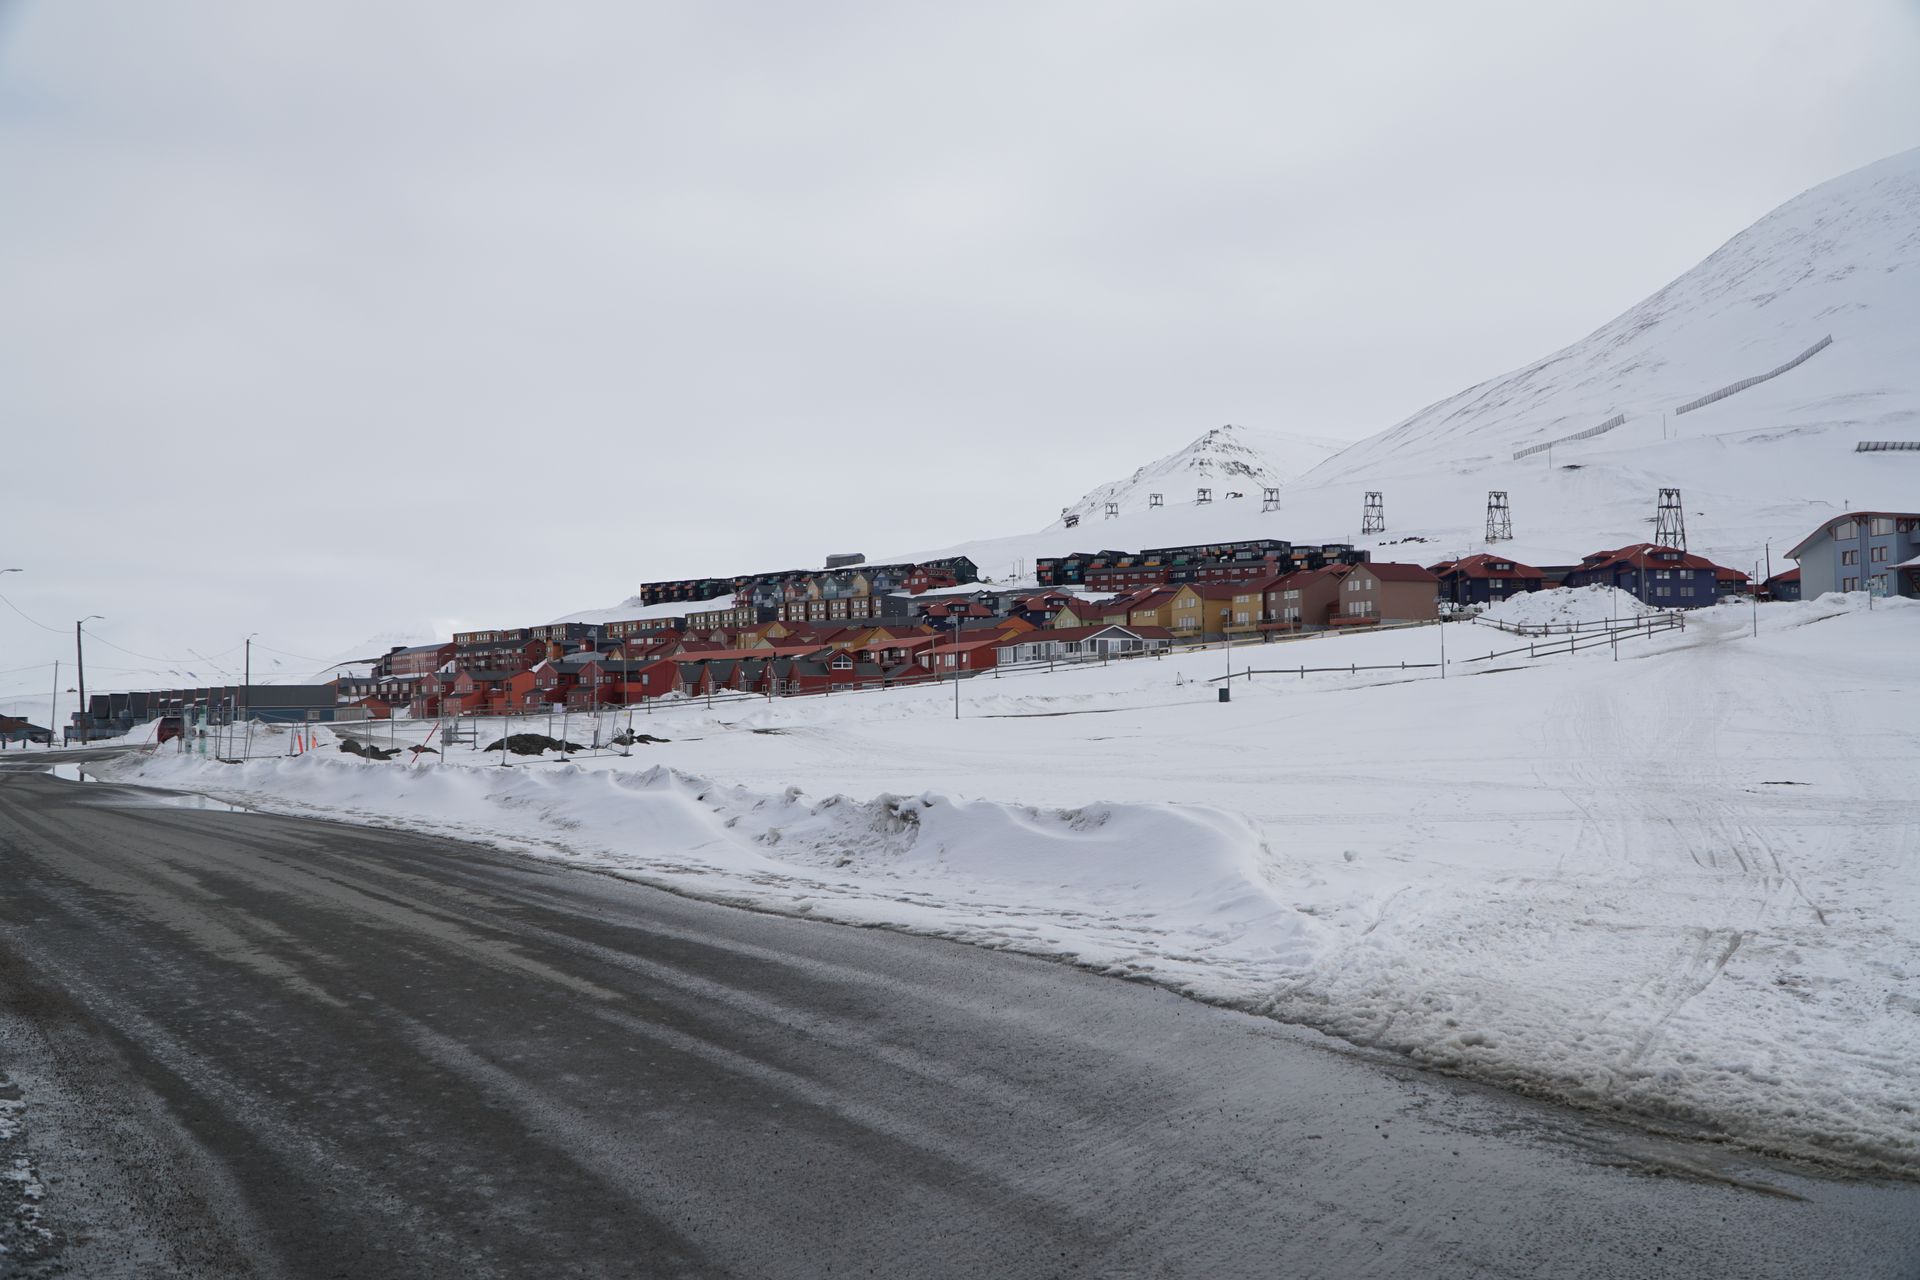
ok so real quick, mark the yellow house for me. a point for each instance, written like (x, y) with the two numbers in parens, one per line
(1155, 610)
(1200, 611)
(1249, 607)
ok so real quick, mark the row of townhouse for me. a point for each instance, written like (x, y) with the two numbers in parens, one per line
(1333, 595)
(771, 590)
(1219, 562)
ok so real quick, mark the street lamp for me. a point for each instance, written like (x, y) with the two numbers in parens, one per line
(80, 659)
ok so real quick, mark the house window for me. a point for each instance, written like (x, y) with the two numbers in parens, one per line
(1882, 524)
(1850, 557)
(1879, 554)
(1496, 584)
(1849, 584)
(1663, 591)
(1846, 529)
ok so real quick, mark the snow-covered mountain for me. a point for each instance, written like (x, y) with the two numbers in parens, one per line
(1760, 466)
(1226, 460)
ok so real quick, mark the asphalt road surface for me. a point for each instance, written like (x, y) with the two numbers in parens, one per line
(243, 1045)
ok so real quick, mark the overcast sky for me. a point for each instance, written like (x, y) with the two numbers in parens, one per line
(329, 320)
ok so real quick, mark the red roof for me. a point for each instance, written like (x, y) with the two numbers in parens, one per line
(1481, 566)
(1299, 578)
(1388, 571)
(1265, 582)
(1641, 556)
(992, 641)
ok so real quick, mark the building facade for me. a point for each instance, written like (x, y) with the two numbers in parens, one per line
(1876, 551)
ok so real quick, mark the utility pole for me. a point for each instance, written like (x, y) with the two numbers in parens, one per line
(80, 661)
(53, 711)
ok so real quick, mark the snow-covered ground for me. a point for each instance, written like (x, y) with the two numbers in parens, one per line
(1679, 881)
(1567, 606)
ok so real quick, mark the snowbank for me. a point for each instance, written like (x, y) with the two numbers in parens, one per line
(1180, 893)
(1564, 605)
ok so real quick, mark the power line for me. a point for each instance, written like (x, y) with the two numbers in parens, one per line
(286, 653)
(59, 631)
(97, 638)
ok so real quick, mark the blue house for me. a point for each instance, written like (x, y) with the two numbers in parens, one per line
(1877, 551)
(1664, 577)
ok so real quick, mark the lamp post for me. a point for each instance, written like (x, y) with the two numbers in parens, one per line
(246, 697)
(80, 661)
(56, 679)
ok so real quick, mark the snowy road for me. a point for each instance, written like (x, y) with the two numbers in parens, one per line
(253, 1045)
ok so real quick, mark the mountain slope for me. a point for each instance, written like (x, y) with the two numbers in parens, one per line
(1226, 459)
(1758, 467)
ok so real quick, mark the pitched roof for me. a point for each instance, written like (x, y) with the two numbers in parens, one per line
(1481, 566)
(1641, 555)
(1210, 590)
(1389, 571)
(1299, 578)
(1265, 582)
(968, 646)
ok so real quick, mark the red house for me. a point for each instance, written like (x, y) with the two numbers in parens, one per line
(420, 659)
(966, 655)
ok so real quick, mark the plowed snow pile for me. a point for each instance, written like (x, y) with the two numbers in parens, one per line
(1567, 605)
(1679, 880)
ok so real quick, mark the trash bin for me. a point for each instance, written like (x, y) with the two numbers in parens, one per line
(1226, 694)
